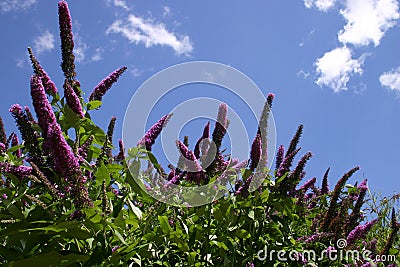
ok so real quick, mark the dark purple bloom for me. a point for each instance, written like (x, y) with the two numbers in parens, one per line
(270, 98)
(73, 100)
(308, 184)
(295, 140)
(2, 147)
(151, 135)
(110, 129)
(114, 249)
(286, 163)
(194, 170)
(4, 196)
(220, 125)
(279, 156)
(121, 153)
(20, 171)
(48, 84)
(84, 148)
(29, 115)
(325, 186)
(243, 190)
(255, 153)
(67, 165)
(100, 90)
(363, 185)
(3, 136)
(359, 232)
(67, 41)
(41, 104)
(203, 141)
(15, 142)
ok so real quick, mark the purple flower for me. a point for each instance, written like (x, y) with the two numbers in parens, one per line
(29, 115)
(2, 147)
(48, 84)
(363, 185)
(194, 170)
(15, 142)
(325, 186)
(100, 90)
(73, 100)
(20, 171)
(286, 163)
(151, 135)
(359, 232)
(84, 148)
(121, 153)
(220, 125)
(67, 165)
(243, 190)
(279, 156)
(203, 140)
(255, 153)
(67, 41)
(308, 184)
(114, 249)
(4, 196)
(368, 264)
(3, 136)
(270, 98)
(41, 104)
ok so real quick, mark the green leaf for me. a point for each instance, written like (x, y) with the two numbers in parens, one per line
(164, 224)
(265, 195)
(52, 258)
(16, 212)
(94, 104)
(135, 210)
(242, 233)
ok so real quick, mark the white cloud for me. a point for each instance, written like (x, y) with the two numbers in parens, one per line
(119, 3)
(44, 42)
(323, 5)
(138, 30)
(136, 72)
(367, 21)
(12, 5)
(97, 54)
(335, 68)
(391, 79)
(79, 49)
(166, 11)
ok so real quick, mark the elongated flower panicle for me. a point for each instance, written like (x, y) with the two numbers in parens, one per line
(308, 184)
(2, 147)
(279, 156)
(359, 232)
(3, 136)
(295, 140)
(85, 147)
(325, 185)
(121, 153)
(43, 109)
(220, 125)
(335, 196)
(286, 163)
(73, 100)
(256, 152)
(203, 141)
(20, 171)
(100, 90)
(48, 84)
(67, 41)
(110, 129)
(194, 170)
(355, 215)
(263, 129)
(15, 142)
(151, 135)
(67, 165)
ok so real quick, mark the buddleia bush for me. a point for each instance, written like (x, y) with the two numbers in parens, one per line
(69, 197)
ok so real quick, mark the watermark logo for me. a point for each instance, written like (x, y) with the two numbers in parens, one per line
(161, 85)
(331, 254)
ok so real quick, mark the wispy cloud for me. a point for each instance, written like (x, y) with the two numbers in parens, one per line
(44, 42)
(166, 11)
(150, 33)
(323, 5)
(391, 79)
(367, 21)
(97, 54)
(80, 49)
(13, 5)
(335, 68)
(119, 3)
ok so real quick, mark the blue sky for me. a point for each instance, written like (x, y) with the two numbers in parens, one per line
(332, 64)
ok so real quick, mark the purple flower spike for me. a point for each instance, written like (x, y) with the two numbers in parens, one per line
(279, 156)
(287, 163)
(220, 125)
(363, 186)
(203, 140)
(359, 232)
(19, 171)
(48, 84)
(67, 41)
(325, 186)
(100, 90)
(2, 147)
(270, 98)
(15, 142)
(3, 136)
(73, 100)
(121, 153)
(151, 135)
(41, 104)
(255, 153)
(308, 184)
